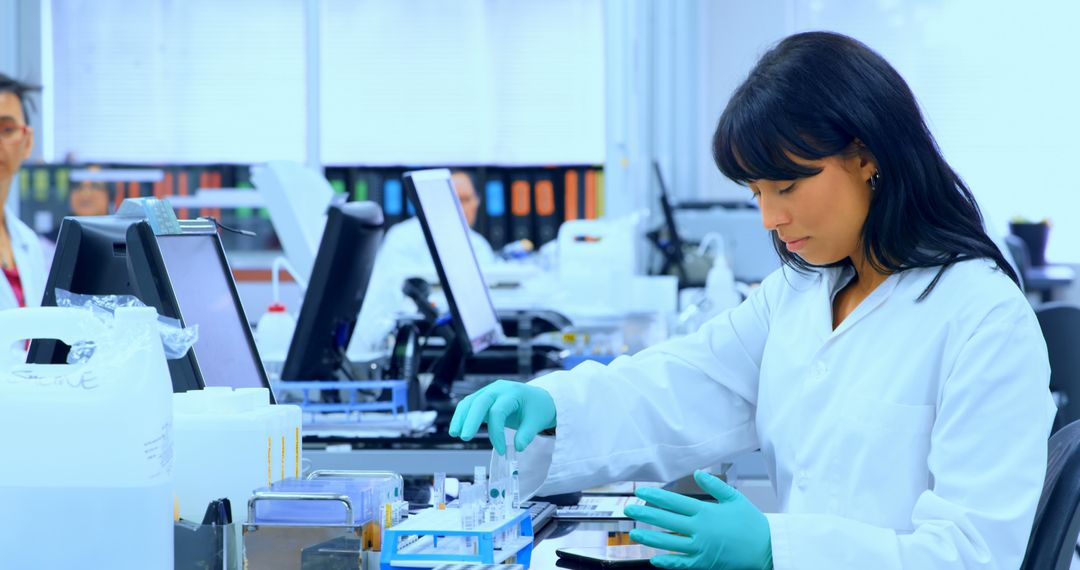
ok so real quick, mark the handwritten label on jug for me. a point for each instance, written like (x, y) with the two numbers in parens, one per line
(82, 379)
(159, 452)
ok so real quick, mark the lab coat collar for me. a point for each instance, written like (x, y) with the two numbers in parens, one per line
(27, 253)
(837, 278)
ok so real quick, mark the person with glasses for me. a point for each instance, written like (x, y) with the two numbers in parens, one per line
(21, 257)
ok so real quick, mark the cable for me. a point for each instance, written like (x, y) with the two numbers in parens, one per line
(220, 225)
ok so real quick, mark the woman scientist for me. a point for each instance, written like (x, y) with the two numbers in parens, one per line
(892, 373)
(21, 259)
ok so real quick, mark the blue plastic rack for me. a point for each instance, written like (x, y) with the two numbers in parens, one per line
(434, 537)
(398, 403)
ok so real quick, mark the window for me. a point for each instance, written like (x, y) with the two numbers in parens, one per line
(196, 81)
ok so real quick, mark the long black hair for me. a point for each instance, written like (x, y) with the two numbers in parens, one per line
(821, 94)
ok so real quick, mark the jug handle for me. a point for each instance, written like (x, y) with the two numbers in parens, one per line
(66, 324)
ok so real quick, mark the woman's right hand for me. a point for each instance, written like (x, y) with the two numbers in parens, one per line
(505, 404)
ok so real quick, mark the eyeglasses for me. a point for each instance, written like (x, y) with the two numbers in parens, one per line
(11, 133)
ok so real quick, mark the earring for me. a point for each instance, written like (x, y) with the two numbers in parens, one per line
(875, 180)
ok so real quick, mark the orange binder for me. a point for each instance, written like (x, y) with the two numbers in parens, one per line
(547, 226)
(570, 195)
(520, 209)
(590, 195)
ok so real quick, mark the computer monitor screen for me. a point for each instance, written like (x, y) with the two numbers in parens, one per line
(447, 234)
(339, 281)
(206, 296)
(90, 259)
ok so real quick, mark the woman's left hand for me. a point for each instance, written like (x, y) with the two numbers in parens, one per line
(730, 533)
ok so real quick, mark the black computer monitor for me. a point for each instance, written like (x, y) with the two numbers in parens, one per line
(185, 276)
(90, 259)
(339, 281)
(475, 321)
(672, 246)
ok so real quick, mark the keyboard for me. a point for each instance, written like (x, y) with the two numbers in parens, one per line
(540, 512)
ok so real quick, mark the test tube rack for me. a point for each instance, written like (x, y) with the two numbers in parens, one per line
(433, 537)
(399, 391)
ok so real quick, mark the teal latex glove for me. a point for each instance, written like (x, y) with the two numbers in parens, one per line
(504, 404)
(729, 534)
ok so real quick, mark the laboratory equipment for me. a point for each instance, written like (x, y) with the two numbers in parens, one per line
(274, 332)
(335, 293)
(108, 462)
(667, 239)
(297, 199)
(439, 496)
(188, 277)
(222, 448)
(617, 556)
(183, 275)
(474, 320)
(749, 247)
(332, 516)
(434, 535)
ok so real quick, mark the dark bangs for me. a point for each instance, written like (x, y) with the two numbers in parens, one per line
(748, 147)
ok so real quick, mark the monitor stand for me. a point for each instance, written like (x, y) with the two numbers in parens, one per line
(449, 367)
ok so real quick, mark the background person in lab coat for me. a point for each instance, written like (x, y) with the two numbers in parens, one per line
(21, 258)
(892, 373)
(404, 253)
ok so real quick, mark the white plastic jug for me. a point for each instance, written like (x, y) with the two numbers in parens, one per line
(221, 451)
(284, 425)
(274, 333)
(86, 449)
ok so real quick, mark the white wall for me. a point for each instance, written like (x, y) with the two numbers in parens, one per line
(997, 82)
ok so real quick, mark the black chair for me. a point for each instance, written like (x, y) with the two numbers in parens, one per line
(1021, 258)
(1057, 519)
(1060, 323)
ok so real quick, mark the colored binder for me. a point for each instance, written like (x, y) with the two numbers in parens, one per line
(571, 195)
(590, 195)
(495, 208)
(520, 210)
(183, 189)
(393, 201)
(547, 223)
(360, 190)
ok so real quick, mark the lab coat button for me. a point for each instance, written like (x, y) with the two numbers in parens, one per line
(818, 370)
(802, 480)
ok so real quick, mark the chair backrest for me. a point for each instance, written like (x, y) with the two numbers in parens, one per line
(1021, 259)
(1060, 323)
(1057, 519)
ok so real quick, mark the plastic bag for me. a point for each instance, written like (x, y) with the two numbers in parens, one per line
(175, 338)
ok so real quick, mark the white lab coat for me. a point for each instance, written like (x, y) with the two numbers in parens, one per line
(29, 259)
(403, 253)
(913, 436)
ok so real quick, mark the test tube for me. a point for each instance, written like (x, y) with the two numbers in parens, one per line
(466, 503)
(515, 486)
(480, 481)
(439, 500)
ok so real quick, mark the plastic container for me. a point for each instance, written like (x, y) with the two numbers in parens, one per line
(284, 422)
(88, 442)
(363, 493)
(222, 450)
(293, 418)
(273, 333)
(432, 537)
(720, 286)
(273, 425)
